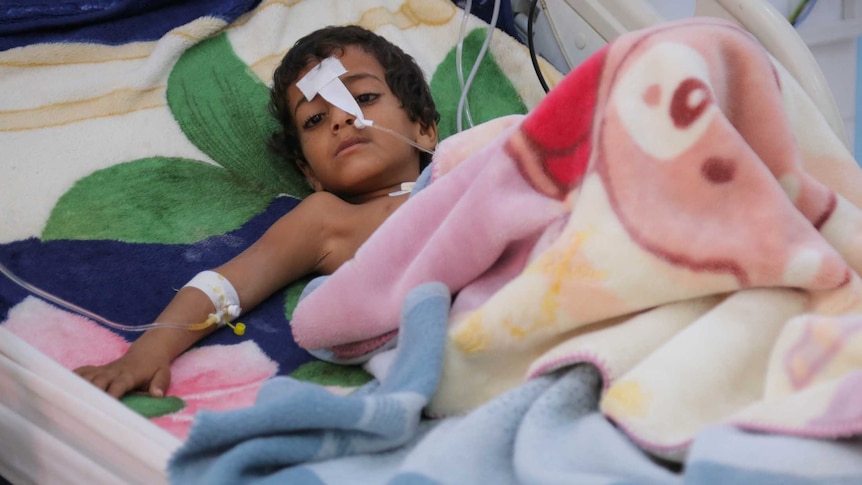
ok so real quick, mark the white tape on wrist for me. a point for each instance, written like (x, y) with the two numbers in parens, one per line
(221, 293)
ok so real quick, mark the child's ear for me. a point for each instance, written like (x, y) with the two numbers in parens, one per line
(308, 172)
(428, 136)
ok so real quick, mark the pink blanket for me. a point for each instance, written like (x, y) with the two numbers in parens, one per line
(675, 212)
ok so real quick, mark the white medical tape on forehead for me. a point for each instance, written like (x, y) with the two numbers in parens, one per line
(323, 79)
(220, 292)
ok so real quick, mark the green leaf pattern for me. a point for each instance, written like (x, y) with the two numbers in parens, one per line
(221, 106)
(491, 95)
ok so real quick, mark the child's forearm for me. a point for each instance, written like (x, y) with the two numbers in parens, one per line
(189, 306)
(277, 258)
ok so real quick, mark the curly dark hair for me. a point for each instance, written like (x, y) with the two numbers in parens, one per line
(403, 75)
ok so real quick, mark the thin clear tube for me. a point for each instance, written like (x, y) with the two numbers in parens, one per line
(399, 136)
(93, 316)
(481, 55)
(459, 63)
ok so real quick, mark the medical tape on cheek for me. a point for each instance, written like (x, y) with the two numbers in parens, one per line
(220, 292)
(323, 79)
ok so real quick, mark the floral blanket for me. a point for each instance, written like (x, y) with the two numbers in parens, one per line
(133, 155)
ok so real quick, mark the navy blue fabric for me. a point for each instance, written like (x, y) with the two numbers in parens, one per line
(113, 22)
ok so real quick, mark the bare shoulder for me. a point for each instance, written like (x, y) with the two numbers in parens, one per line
(324, 210)
(337, 226)
(316, 210)
(307, 228)
(322, 198)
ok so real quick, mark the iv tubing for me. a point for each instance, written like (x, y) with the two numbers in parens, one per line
(459, 61)
(104, 321)
(401, 137)
(479, 57)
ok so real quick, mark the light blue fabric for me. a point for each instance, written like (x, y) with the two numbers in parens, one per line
(294, 422)
(424, 179)
(547, 431)
(724, 454)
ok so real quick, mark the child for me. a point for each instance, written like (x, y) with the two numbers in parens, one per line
(353, 171)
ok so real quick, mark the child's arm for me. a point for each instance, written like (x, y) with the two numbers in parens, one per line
(297, 244)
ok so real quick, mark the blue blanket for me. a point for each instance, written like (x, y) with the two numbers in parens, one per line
(293, 421)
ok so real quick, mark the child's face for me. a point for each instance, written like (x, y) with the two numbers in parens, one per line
(345, 160)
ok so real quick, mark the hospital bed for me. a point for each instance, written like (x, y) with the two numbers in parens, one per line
(56, 428)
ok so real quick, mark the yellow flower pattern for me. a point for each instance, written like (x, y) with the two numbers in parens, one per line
(626, 398)
(561, 267)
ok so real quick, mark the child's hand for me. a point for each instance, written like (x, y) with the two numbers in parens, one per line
(130, 372)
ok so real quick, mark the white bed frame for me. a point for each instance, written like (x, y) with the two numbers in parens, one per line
(56, 428)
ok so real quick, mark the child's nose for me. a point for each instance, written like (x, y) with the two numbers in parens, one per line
(341, 118)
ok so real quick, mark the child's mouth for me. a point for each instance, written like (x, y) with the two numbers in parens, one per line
(348, 145)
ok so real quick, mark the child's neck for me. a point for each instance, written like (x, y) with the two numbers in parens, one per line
(399, 191)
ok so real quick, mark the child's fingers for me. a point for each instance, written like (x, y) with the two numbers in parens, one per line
(120, 384)
(84, 371)
(101, 378)
(89, 373)
(159, 383)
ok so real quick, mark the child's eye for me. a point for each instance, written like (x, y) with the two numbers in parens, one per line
(366, 98)
(312, 121)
